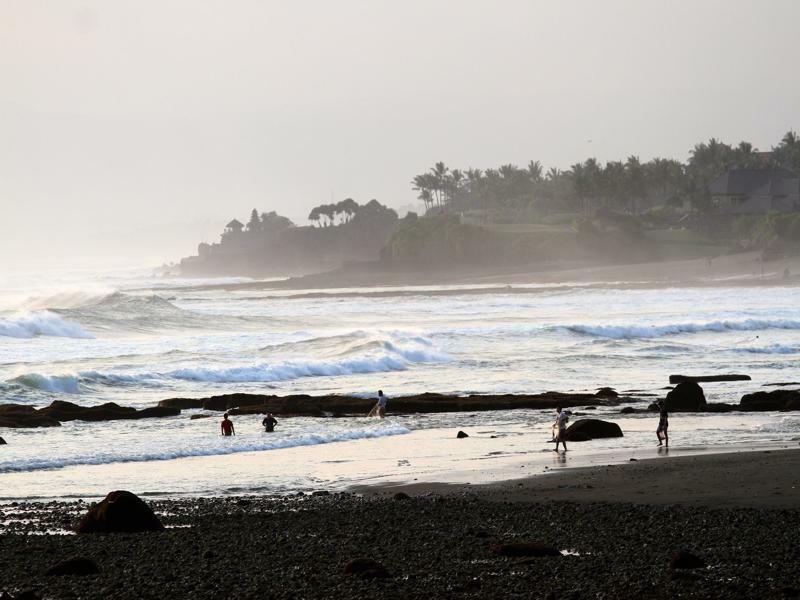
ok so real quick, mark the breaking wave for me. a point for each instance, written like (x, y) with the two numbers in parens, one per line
(619, 332)
(40, 323)
(376, 356)
(202, 447)
(771, 349)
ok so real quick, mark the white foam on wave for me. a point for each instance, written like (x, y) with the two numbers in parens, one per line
(40, 323)
(618, 332)
(232, 445)
(391, 356)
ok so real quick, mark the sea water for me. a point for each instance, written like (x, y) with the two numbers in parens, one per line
(133, 339)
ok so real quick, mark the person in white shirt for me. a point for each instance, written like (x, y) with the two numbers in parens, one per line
(560, 429)
(382, 402)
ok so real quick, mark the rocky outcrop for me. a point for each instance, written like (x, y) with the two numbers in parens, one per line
(590, 429)
(336, 406)
(687, 396)
(120, 511)
(20, 415)
(775, 400)
(707, 378)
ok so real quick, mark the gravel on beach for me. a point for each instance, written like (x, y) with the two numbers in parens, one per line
(431, 546)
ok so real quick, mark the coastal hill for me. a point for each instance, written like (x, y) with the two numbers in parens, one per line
(725, 199)
(270, 244)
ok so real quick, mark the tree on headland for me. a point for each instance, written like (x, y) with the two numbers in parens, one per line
(254, 224)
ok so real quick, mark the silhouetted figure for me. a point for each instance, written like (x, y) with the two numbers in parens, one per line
(663, 424)
(269, 423)
(560, 429)
(227, 426)
(379, 410)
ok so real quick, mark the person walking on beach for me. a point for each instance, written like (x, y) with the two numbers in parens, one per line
(663, 424)
(560, 429)
(227, 426)
(269, 423)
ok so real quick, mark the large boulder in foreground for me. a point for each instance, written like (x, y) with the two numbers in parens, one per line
(686, 396)
(776, 400)
(591, 429)
(120, 511)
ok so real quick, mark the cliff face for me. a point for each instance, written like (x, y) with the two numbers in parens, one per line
(293, 250)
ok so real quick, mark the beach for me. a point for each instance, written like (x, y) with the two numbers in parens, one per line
(616, 530)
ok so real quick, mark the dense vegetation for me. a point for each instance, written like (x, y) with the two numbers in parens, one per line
(513, 194)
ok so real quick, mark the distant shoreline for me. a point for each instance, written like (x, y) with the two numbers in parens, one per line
(744, 269)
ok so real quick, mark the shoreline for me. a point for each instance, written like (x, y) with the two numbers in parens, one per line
(735, 270)
(445, 542)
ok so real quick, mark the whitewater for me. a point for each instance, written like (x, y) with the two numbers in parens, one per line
(134, 339)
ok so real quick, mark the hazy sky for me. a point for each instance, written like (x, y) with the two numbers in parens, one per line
(135, 128)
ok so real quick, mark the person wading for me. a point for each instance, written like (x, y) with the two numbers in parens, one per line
(226, 426)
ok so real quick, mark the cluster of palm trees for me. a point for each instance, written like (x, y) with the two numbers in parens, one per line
(267, 221)
(628, 186)
(327, 215)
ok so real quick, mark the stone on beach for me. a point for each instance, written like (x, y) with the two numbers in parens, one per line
(461, 435)
(366, 568)
(589, 429)
(687, 396)
(2, 441)
(120, 511)
(77, 565)
(775, 400)
(524, 549)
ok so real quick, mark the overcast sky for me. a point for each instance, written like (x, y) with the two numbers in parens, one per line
(135, 129)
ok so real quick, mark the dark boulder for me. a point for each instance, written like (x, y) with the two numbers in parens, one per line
(606, 392)
(157, 411)
(627, 410)
(120, 511)
(401, 496)
(775, 400)
(683, 559)
(74, 566)
(593, 429)
(461, 435)
(14, 415)
(687, 396)
(524, 549)
(182, 403)
(2, 441)
(366, 568)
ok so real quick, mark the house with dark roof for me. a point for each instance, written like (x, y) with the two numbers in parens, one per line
(755, 191)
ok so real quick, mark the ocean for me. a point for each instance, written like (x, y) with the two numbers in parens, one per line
(134, 339)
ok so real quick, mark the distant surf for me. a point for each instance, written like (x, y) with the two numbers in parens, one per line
(619, 332)
(40, 323)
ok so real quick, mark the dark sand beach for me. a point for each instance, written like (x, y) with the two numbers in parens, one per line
(616, 528)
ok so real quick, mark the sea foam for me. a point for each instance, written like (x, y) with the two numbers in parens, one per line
(202, 447)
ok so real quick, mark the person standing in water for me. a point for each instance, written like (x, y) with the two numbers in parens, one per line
(382, 402)
(663, 424)
(269, 423)
(227, 426)
(560, 429)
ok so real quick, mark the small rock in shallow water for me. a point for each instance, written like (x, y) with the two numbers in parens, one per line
(461, 435)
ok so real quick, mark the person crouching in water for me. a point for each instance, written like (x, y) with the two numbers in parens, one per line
(227, 426)
(560, 427)
(663, 424)
(269, 423)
